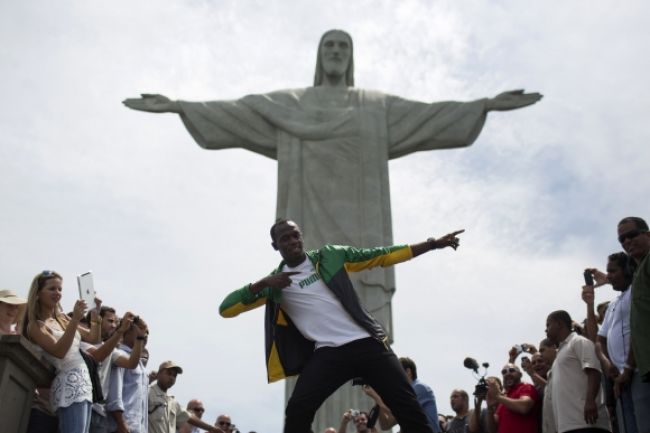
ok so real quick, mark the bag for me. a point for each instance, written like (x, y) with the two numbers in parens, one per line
(93, 369)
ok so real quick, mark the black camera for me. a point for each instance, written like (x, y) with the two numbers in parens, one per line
(481, 388)
(358, 381)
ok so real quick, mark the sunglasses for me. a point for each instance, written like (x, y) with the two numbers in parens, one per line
(630, 235)
(198, 409)
(226, 423)
(509, 370)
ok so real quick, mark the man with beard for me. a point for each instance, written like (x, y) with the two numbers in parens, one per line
(516, 410)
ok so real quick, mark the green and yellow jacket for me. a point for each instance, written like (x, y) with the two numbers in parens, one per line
(287, 351)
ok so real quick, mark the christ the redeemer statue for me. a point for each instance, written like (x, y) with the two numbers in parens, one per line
(332, 142)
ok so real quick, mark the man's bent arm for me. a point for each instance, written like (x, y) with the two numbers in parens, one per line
(242, 300)
(196, 422)
(522, 405)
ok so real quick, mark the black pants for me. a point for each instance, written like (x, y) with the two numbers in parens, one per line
(331, 367)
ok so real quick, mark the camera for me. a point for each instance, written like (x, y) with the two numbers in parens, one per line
(358, 381)
(136, 320)
(355, 413)
(481, 388)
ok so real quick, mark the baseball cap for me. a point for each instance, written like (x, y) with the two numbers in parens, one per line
(170, 364)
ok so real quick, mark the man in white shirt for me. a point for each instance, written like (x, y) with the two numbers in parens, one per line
(614, 336)
(576, 394)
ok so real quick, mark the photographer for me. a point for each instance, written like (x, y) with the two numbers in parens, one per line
(478, 417)
(360, 420)
(385, 417)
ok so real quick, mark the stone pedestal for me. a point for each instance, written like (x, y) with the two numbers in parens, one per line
(22, 369)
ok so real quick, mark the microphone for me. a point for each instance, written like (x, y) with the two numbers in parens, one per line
(471, 364)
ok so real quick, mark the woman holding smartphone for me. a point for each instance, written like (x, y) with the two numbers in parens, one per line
(59, 336)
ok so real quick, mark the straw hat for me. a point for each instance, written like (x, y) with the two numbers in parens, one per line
(9, 297)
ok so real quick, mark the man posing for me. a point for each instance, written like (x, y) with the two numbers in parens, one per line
(576, 396)
(316, 326)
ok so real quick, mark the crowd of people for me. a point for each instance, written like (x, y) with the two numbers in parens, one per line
(592, 376)
(101, 381)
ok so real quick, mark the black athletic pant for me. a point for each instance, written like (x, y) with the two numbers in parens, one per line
(331, 367)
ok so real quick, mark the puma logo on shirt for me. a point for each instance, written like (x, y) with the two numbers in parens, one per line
(309, 280)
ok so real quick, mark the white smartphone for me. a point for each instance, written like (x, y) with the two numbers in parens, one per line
(86, 288)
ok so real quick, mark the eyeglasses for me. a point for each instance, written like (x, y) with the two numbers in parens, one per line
(198, 409)
(509, 370)
(630, 235)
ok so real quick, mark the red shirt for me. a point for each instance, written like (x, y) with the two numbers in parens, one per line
(513, 422)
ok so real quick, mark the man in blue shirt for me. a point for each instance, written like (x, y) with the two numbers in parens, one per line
(423, 393)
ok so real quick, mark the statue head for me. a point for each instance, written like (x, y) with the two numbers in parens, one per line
(335, 56)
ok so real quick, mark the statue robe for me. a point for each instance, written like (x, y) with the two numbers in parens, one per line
(333, 161)
(333, 170)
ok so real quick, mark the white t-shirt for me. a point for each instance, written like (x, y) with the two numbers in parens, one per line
(316, 311)
(569, 385)
(616, 329)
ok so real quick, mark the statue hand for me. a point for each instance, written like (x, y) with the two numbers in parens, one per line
(511, 100)
(153, 104)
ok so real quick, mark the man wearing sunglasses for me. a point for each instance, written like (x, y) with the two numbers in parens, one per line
(634, 237)
(516, 410)
(224, 423)
(196, 408)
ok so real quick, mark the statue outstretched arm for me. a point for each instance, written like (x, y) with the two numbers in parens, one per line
(153, 103)
(511, 100)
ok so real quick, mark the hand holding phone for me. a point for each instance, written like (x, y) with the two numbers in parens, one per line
(589, 278)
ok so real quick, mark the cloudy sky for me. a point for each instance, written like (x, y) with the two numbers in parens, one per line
(169, 228)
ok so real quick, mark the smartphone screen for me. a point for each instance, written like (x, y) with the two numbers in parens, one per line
(86, 288)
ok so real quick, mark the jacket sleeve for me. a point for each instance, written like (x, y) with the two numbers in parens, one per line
(358, 259)
(242, 300)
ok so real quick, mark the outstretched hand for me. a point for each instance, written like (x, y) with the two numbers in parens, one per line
(153, 103)
(511, 100)
(449, 240)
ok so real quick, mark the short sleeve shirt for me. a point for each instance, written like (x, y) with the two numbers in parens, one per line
(165, 413)
(569, 385)
(513, 422)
